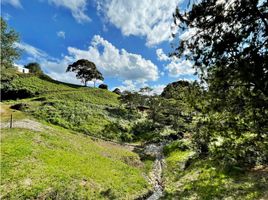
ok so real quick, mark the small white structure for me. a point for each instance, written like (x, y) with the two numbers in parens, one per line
(21, 69)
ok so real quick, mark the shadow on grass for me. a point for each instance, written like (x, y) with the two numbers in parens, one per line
(48, 78)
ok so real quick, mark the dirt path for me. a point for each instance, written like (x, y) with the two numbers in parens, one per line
(27, 124)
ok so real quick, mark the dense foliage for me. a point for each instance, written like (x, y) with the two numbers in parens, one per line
(9, 52)
(34, 68)
(85, 70)
(229, 49)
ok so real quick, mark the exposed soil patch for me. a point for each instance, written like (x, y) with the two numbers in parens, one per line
(27, 124)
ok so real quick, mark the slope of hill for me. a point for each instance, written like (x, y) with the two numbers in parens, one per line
(92, 111)
(50, 162)
(48, 154)
(189, 177)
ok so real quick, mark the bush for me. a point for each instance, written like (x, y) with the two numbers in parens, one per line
(145, 131)
(20, 106)
(8, 93)
(117, 91)
(181, 145)
(8, 74)
(103, 86)
(116, 130)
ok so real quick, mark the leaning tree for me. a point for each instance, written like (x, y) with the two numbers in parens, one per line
(86, 71)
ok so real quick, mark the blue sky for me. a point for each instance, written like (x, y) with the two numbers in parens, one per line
(127, 40)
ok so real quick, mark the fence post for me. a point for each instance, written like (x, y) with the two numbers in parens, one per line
(11, 121)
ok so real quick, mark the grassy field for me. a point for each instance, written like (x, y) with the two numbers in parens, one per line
(39, 85)
(204, 179)
(92, 111)
(60, 164)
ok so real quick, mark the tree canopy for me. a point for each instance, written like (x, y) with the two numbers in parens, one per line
(34, 68)
(86, 71)
(228, 39)
(228, 43)
(9, 52)
(146, 90)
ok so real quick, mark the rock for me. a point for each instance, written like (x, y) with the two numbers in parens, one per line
(152, 150)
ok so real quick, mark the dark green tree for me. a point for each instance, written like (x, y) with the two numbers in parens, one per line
(229, 47)
(34, 68)
(230, 37)
(117, 91)
(130, 99)
(86, 71)
(9, 52)
(184, 100)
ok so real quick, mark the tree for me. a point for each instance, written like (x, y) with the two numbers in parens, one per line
(86, 71)
(228, 43)
(146, 90)
(9, 52)
(131, 99)
(173, 90)
(34, 68)
(117, 91)
(103, 86)
(230, 37)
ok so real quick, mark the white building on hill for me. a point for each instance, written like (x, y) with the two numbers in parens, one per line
(21, 69)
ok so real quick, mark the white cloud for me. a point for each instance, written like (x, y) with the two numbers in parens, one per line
(157, 89)
(180, 67)
(77, 8)
(15, 3)
(113, 62)
(161, 55)
(188, 34)
(151, 18)
(33, 51)
(61, 34)
(129, 85)
(176, 67)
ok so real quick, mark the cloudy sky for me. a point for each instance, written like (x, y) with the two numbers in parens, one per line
(127, 40)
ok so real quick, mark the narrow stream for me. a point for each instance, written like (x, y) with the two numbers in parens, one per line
(156, 173)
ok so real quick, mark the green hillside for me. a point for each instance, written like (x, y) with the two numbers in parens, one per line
(65, 165)
(50, 153)
(92, 111)
(55, 163)
(205, 179)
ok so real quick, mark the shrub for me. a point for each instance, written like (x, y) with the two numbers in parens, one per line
(20, 106)
(103, 86)
(144, 130)
(117, 91)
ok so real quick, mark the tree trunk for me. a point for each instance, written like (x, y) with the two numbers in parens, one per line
(94, 84)
(85, 83)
